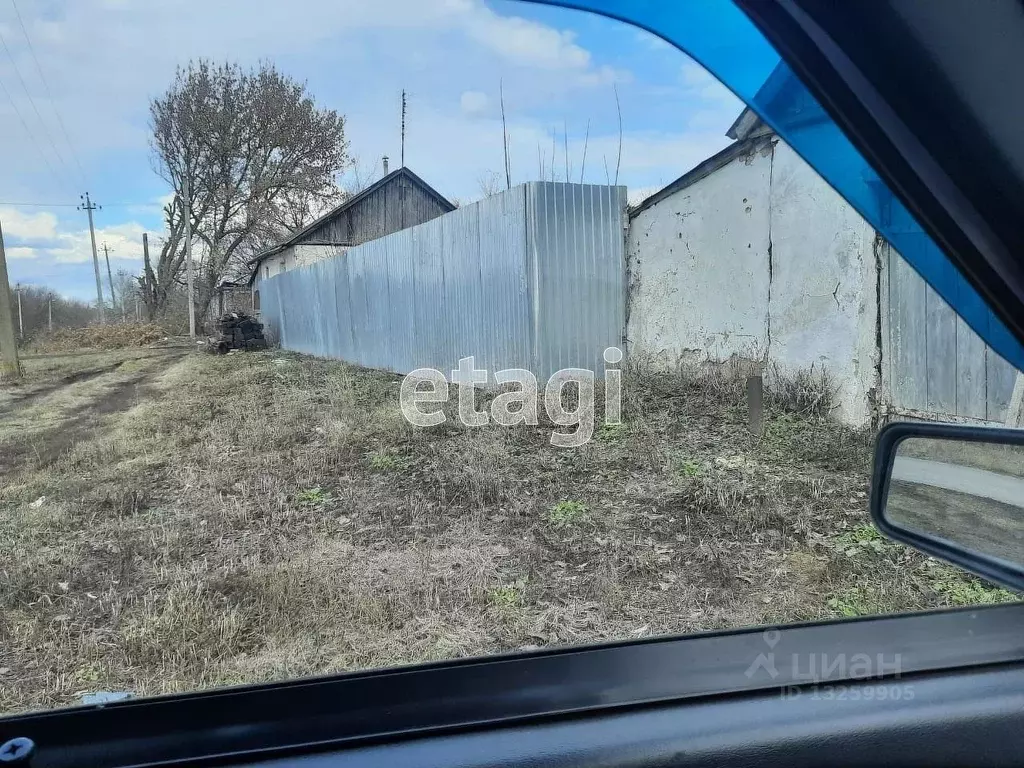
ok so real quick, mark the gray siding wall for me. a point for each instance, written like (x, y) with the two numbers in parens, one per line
(395, 206)
(933, 363)
(531, 278)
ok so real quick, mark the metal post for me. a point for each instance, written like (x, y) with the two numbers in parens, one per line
(9, 365)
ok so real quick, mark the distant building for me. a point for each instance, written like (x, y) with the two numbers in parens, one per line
(399, 200)
(232, 297)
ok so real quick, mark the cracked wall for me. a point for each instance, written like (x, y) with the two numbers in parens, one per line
(699, 268)
(761, 259)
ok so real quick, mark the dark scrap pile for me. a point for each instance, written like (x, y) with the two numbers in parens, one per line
(237, 330)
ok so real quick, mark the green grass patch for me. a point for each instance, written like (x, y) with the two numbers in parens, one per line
(566, 513)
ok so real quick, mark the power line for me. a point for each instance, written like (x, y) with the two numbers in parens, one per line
(49, 93)
(75, 205)
(31, 135)
(39, 205)
(42, 123)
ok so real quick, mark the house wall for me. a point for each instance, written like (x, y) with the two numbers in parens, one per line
(699, 268)
(823, 310)
(393, 207)
(761, 259)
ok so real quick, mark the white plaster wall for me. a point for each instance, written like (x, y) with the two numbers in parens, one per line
(823, 307)
(297, 256)
(702, 285)
(303, 255)
(699, 268)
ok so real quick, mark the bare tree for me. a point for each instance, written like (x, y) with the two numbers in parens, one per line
(156, 283)
(489, 183)
(358, 177)
(257, 153)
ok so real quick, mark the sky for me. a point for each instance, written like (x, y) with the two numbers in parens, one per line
(77, 77)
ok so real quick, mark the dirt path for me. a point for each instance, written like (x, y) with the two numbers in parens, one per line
(37, 426)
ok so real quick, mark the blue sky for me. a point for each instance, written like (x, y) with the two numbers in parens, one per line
(104, 59)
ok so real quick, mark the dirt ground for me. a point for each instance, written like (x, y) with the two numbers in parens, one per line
(173, 521)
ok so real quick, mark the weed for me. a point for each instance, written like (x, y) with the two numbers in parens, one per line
(386, 460)
(610, 433)
(863, 537)
(506, 597)
(965, 590)
(566, 513)
(314, 497)
(855, 601)
(687, 467)
(806, 391)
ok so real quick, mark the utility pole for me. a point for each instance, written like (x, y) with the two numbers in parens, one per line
(89, 207)
(21, 319)
(110, 282)
(188, 258)
(49, 312)
(9, 365)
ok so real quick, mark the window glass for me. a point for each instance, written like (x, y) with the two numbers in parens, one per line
(562, 343)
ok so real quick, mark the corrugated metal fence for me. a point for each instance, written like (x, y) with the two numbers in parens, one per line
(530, 278)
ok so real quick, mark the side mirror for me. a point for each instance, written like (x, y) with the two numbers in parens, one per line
(955, 492)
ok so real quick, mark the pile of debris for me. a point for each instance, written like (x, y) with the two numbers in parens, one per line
(237, 330)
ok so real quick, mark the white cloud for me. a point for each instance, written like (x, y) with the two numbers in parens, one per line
(71, 246)
(473, 102)
(21, 252)
(20, 225)
(525, 42)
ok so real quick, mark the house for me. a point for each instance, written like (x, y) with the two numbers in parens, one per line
(399, 200)
(753, 255)
(231, 296)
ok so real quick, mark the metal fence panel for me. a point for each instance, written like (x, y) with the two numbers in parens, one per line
(530, 278)
(576, 234)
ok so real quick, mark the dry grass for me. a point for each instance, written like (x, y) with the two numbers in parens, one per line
(112, 336)
(262, 516)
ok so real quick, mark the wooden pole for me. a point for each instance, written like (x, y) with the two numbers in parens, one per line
(755, 404)
(9, 365)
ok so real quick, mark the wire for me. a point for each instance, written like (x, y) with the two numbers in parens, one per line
(75, 205)
(40, 205)
(49, 93)
(31, 135)
(42, 123)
